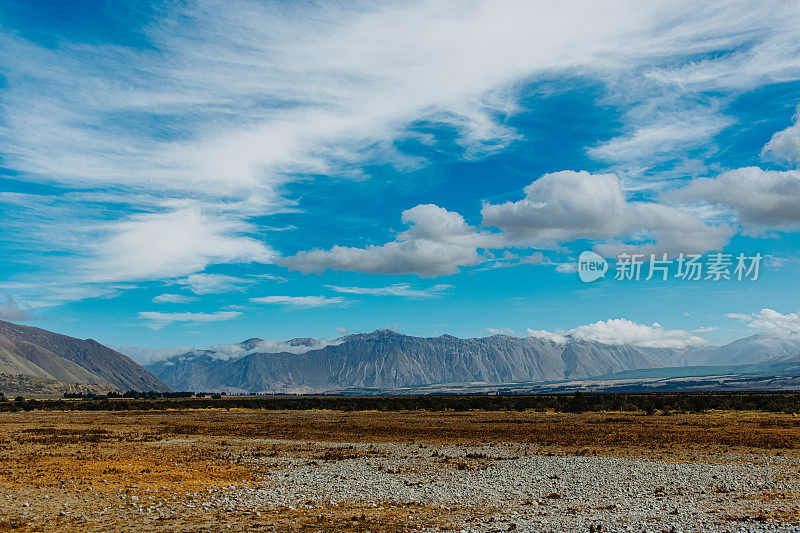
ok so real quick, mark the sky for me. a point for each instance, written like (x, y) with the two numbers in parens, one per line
(197, 173)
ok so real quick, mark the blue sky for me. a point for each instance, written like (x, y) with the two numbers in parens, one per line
(198, 173)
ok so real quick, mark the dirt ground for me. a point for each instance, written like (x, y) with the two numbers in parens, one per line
(152, 471)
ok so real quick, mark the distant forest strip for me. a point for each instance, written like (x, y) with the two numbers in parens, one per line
(649, 403)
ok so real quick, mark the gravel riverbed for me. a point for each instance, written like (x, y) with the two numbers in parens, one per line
(499, 487)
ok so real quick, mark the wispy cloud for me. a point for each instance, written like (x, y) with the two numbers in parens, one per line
(213, 283)
(305, 302)
(173, 299)
(500, 331)
(398, 289)
(158, 320)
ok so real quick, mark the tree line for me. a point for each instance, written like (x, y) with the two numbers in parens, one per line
(578, 402)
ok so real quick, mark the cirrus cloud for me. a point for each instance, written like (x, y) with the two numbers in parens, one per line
(398, 289)
(173, 299)
(158, 320)
(303, 302)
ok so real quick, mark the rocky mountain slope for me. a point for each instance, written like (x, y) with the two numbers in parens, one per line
(39, 353)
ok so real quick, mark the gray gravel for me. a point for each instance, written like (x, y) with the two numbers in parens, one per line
(533, 492)
(501, 487)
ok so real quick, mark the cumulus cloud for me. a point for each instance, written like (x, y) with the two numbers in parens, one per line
(552, 336)
(173, 299)
(771, 322)
(566, 206)
(620, 331)
(658, 228)
(784, 146)
(559, 207)
(304, 302)
(437, 242)
(562, 206)
(759, 197)
(10, 310)
(398, 289)
(158, 320)
(203, 283)
(623, 331)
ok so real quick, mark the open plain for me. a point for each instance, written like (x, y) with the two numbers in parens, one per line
(253, 470)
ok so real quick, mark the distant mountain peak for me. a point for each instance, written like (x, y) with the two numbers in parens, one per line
(385, 332)
(303, 341)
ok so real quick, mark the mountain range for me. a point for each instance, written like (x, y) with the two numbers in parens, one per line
(383, 360)
(61, 360)
(388, 360)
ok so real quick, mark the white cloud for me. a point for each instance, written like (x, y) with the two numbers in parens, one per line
(559, 207)
(658, 228)
(10, 310)
(203, 283)
(661, 136)
(173, 243)
(228, 101)
(46, 291)
(556, 337)
(623, 331)
(224, 352)
(760, 197)
(784, 146)
(500, 331)
(566, 206)
(277, 279)
(437, 242)
(342, 331)
(305, 302)
(771, 322)
(566, 268)
(398, 289)
(562, 206)
(146, 356)
(158, 320)
(620, 331)
(173, 299)
(352, 76)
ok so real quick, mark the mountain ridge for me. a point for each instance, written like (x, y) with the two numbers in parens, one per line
(388, 359)
(38, 353)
